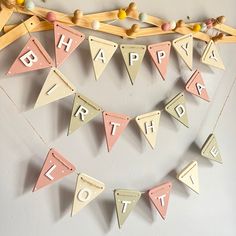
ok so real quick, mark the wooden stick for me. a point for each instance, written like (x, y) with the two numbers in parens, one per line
(226, 29)
(42, 26)
(18, 31)
(227, 39)
(5, 14)
(85, 21)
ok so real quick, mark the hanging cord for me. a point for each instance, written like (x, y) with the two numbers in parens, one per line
(222, 109)
(24, 117)
(22, 20)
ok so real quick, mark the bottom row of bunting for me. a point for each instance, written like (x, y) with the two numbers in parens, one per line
(88, 188)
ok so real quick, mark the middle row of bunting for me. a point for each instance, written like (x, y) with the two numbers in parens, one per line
(34, 57)
(84, 110)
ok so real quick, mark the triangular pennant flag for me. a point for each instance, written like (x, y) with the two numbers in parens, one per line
(114, 124)
(211, 150)
(133, 57)
(66, 41)
(55, 87)
(148, 123)
(196, 86)
(176, 107)
(189, 176)
(86, 190)
(160, 53)
(55, 167)
(101, 53)
(32, 57)
(184, 46)
(83, 111)
(212, 57)
(160, 198)
(125, 201)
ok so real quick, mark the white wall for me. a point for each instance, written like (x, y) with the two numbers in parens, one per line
(131, 164)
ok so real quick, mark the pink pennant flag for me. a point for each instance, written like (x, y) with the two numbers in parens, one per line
(54, 168)
(114, 124)
(32, 57)
(160, 53)
(66, 41)
(196, 86)
(160, 198)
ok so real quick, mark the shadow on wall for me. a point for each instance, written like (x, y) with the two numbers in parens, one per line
(25, 183)
(107, 211)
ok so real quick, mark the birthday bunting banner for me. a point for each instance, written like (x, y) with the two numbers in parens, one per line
(57, 86)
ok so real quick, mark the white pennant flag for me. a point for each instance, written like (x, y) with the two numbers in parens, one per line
(55, 87)
(149, 123)
(184, 46)
(101, 53)
(87, 189)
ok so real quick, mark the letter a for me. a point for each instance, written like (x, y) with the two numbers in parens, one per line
(32, 57)
(114, 124)
(101, 53)
(54, 168)
(125, 201)
(196, 86)
(160, 53)
(66, 41)
(176, 108)
(160, 198)
(189, 176)
(184, 47)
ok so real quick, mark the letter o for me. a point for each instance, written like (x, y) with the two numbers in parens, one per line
(84, 194)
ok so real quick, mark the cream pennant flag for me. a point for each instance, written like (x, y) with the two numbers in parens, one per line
(114, 125)
(87, 189)
(54, 168)
(32, 57)
(196, 86)
(149, 123)
(160, 53)
(133, 57)
(177, 108)
(56, 87)
(101, 53)
(83, 111)
(125, 201)
(66, 40)
(184, 47)
(212, 57)
(210, 149)
(160, 198)
(189, 176)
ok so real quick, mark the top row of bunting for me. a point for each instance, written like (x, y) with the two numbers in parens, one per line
(34, 56)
